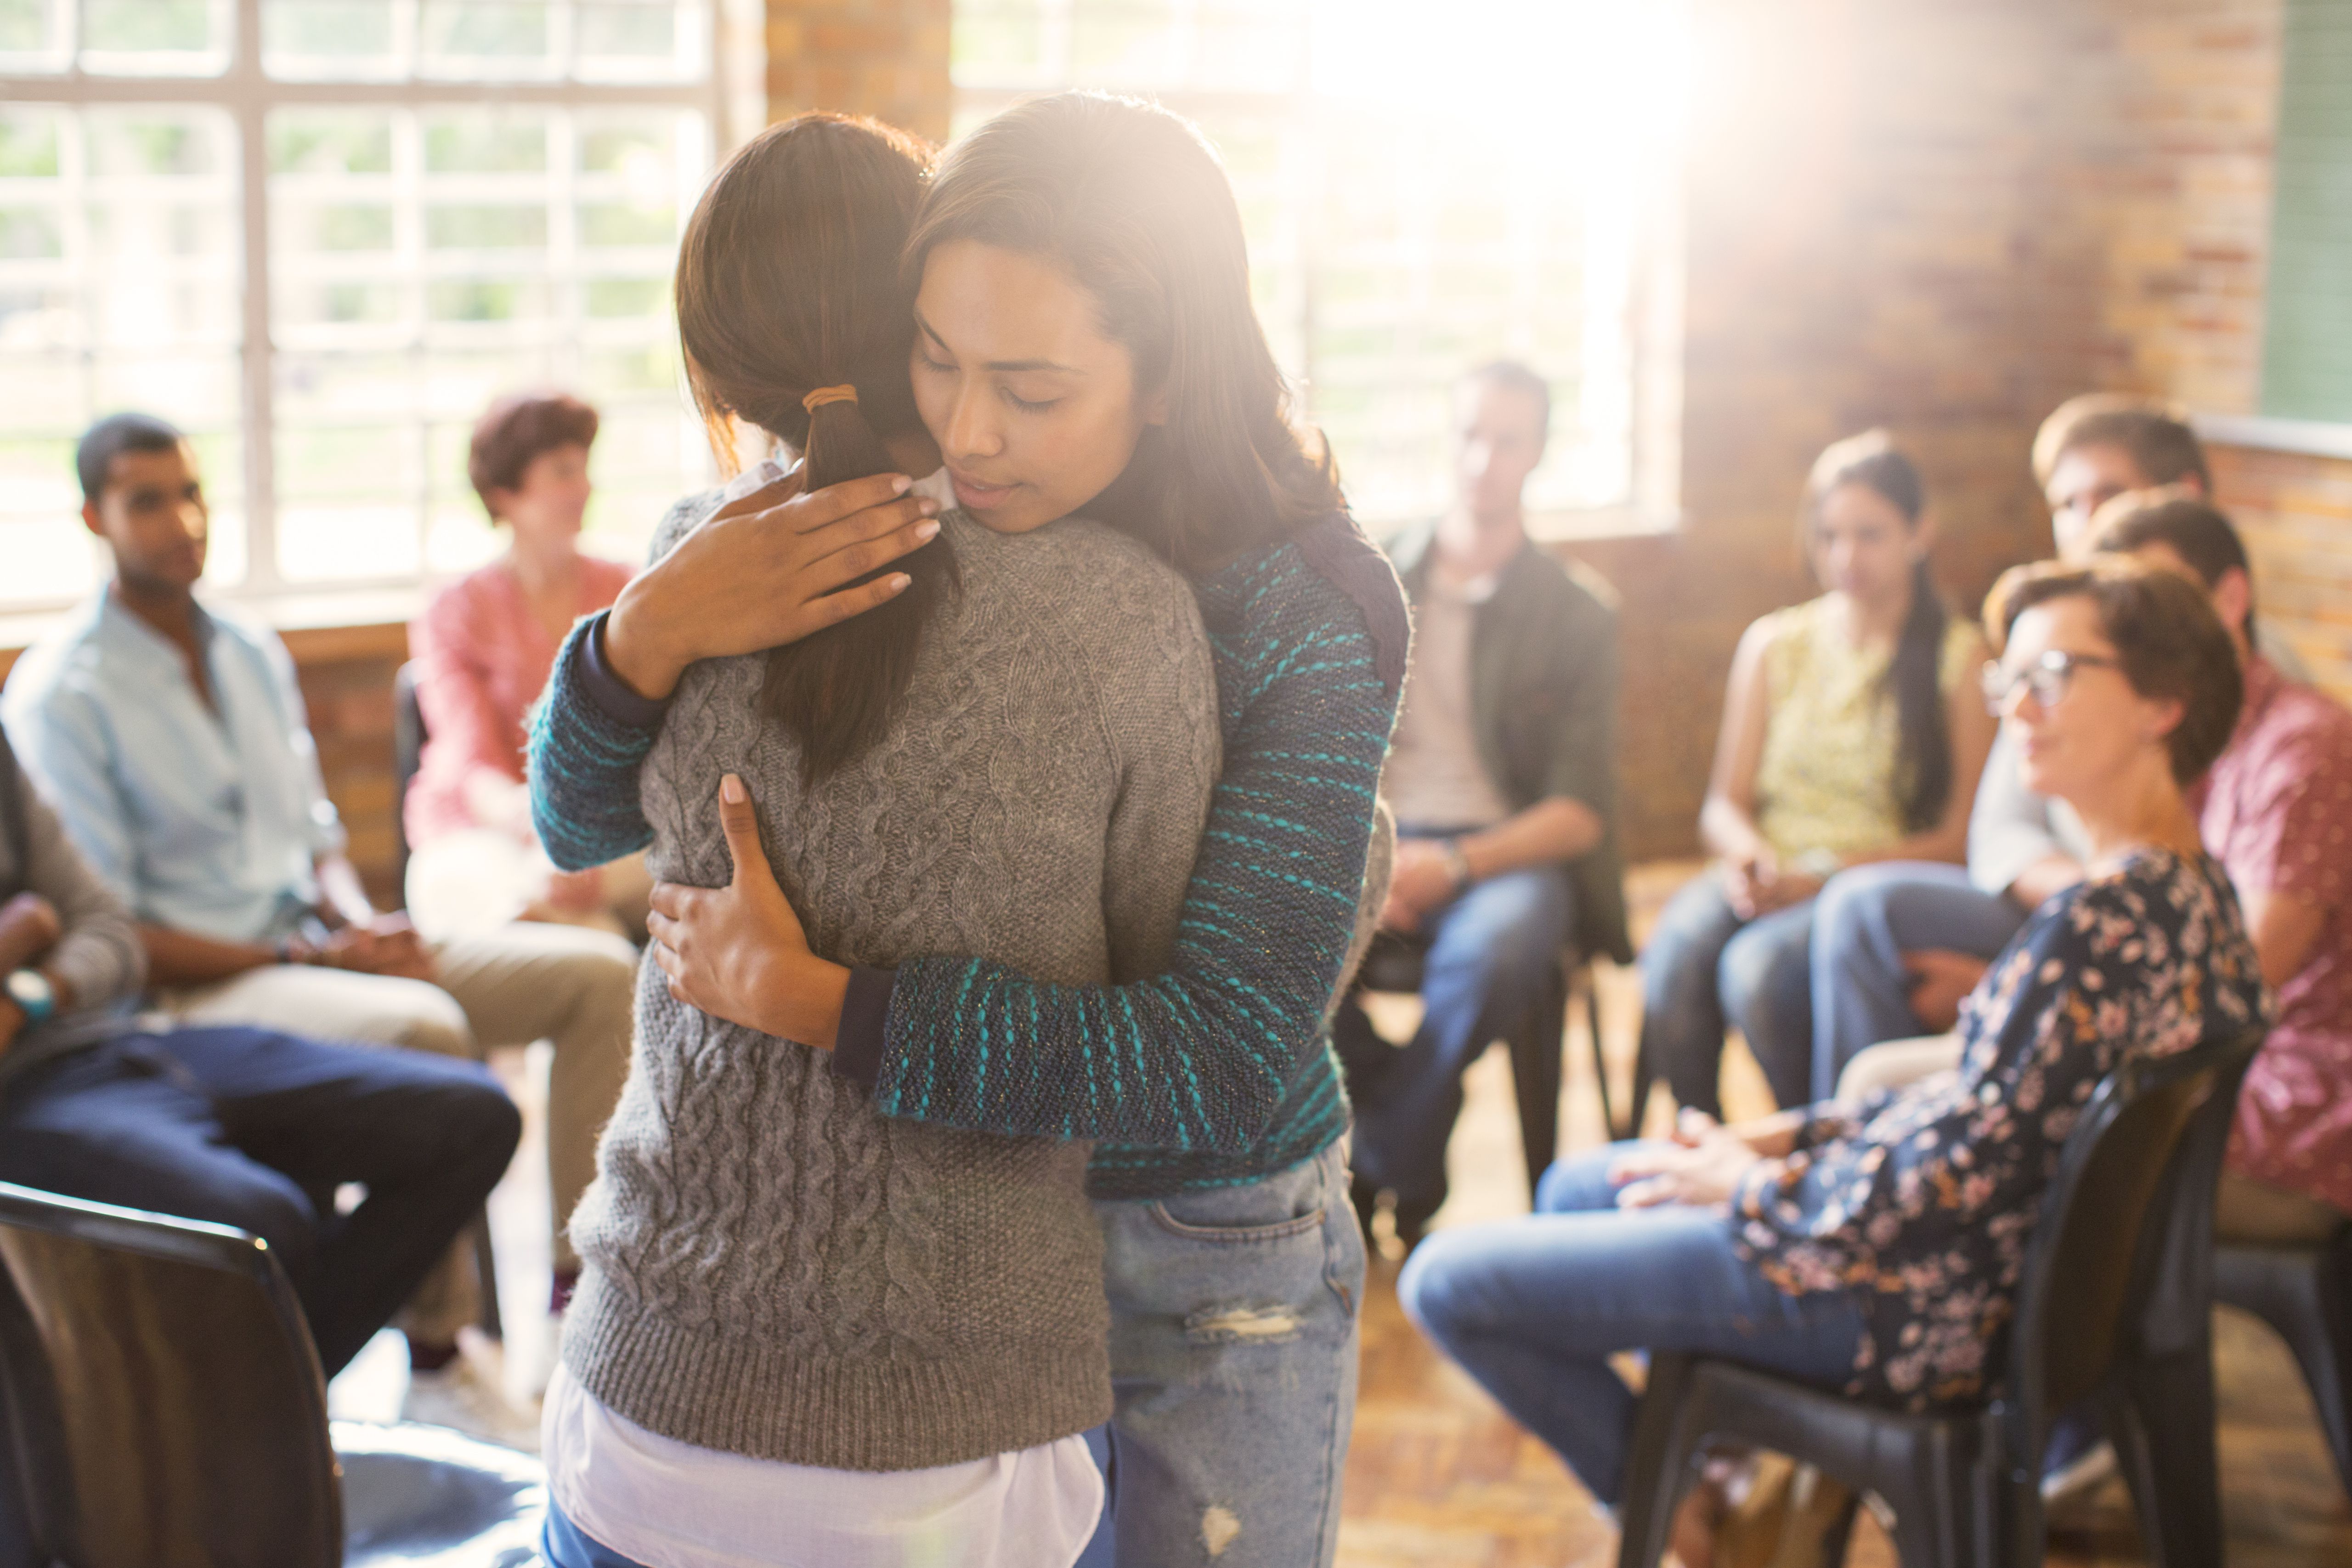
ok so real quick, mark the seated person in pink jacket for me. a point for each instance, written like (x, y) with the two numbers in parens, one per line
(482, 651)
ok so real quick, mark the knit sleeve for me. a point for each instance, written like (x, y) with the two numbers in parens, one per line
(590, 734)
(1198, 1057)
(582, 763)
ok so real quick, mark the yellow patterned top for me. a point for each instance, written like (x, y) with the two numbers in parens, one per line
(1827, 780)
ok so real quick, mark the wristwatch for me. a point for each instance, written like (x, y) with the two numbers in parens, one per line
(31, 991)
(1458, 863)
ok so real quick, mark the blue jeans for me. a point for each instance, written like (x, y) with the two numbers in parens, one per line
(1704, 966)
(256, 1128)
(1491, 952)
(1533, 1309)
(1865, 921)
(565, 1545)
(1233, 1354)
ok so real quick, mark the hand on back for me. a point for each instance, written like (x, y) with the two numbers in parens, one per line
(770, 567)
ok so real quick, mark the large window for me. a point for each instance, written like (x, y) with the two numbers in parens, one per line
(1424, 188)
(320, 236)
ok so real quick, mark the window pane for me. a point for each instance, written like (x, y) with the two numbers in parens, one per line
(155, 37)
(119, 289)
(33, 35)
(640, 40)
(309, 39)
(486, 38)
(425, 262)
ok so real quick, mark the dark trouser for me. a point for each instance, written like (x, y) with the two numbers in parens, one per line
(1868, 919)
(1704, 964)
(257, 1129)
(1491, 952)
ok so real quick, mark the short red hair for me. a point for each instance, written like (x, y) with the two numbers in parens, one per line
(514, 430)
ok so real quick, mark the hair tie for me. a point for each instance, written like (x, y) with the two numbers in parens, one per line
(824, 394)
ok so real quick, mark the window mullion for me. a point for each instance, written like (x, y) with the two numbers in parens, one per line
(249, 104)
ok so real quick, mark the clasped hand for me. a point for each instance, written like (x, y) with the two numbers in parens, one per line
(1702, 1165)
(739, 952)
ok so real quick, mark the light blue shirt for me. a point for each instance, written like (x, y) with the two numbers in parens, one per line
(207, 822)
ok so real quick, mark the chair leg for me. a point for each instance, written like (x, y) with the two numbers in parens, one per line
(1600, 1056)
(1536, 1047)
(2161, 1419)
(2305, 1296)
(485, 1265)
(1658, 1469)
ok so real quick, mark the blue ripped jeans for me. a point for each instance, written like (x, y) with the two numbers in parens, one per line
(1533, 1308)
(1233, 1353)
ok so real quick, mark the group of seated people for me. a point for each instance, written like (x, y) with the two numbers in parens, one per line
(1054, 802)
(194, 960)
(2155, 851)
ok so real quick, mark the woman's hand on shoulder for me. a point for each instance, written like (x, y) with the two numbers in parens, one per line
(739, 952)
(769, 568)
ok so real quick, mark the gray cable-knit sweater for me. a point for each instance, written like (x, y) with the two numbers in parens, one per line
(771, 1268)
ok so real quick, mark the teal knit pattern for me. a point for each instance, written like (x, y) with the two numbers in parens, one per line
(1219, 1070)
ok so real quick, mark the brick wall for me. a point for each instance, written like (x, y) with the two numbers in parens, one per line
(887, 59)
(2175, 200)
(1870, 241)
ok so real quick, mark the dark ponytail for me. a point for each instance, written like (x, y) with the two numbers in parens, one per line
(794, 317)
(1923, 755)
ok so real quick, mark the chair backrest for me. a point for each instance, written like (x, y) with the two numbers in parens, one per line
(167, 1406)
(2121, 1253)
(408, 735)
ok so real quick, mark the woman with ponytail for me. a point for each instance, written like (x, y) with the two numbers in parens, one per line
(805, 1332)
(1233, 1263)
(1849, 736)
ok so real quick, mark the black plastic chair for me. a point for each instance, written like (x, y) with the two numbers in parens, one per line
(1393, 964)
(163, 1406)
(408, 735)
(2114, 1308)
(2305, 1294)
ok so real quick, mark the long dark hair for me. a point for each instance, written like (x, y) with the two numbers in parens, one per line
(1923, 756)
(1131, 201)
(788, 282)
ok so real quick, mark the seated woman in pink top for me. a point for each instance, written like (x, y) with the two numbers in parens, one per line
(482, 651)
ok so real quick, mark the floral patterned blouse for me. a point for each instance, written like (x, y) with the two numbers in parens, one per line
(1923, 1199)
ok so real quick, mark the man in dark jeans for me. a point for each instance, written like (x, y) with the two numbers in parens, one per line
(240, 1126)
(1504, 781)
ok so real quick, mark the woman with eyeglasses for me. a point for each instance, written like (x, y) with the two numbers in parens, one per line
(1849, 736)
(1875, 1246)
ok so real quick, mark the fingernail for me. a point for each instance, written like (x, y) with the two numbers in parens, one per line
(901, 484)
(928, 507)
(927, 531)
(730, 790)
(898, 581)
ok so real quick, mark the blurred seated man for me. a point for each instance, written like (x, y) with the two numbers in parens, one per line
(1504, 782)
(173, 740)
(238, 1126)
(1895, 946)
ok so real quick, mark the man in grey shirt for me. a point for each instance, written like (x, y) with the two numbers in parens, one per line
(1896, 946)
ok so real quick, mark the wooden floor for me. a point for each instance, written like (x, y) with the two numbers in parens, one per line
(1439, 1475)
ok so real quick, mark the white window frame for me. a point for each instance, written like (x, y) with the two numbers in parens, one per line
(729, 96)
(1653, 502)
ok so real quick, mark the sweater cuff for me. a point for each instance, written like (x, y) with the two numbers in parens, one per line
(610, 694)
(858, 1045)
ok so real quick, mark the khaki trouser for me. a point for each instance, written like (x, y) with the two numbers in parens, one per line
(524, 981)
(2243, 1208)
